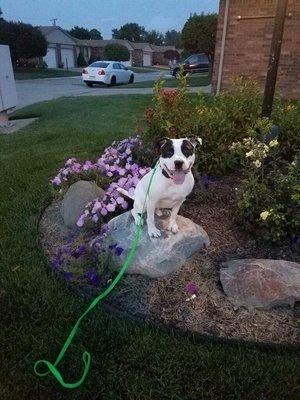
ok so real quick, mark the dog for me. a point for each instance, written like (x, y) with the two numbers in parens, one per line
(172, 182)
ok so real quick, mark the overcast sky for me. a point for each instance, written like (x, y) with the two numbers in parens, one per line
(105, 15)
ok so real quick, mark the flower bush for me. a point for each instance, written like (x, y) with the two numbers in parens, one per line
(269, 196)
(115, 168)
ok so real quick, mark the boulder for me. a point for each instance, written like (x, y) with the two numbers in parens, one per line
(77, 197)
(155, 257)
(261, 283)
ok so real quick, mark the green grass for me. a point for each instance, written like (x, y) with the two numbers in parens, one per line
(32, 73)
(129, 361)
(193, 81)
(148, 69)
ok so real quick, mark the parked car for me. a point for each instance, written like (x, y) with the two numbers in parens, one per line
(108, 72)
(194, 63)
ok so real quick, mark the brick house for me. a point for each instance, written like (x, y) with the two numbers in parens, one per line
(243, 43)
(158, 54)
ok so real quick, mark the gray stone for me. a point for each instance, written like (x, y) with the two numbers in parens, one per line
(261, 283)
(77, 197)
(156, 257)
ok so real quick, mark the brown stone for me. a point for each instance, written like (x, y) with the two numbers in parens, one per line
(261, 283)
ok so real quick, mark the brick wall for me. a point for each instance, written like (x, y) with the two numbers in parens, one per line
(248, 42)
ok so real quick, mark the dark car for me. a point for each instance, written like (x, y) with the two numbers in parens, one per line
(193, 64)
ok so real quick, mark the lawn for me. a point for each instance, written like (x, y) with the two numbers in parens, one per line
(32, 73)
(129, 360)
(193, 81)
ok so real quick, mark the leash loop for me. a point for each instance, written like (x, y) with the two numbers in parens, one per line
(52, 368)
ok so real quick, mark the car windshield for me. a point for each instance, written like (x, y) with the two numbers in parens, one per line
(98, 64)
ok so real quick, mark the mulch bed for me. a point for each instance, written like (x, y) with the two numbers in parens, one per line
(165, 300)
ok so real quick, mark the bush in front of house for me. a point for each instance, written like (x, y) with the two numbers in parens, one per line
(116, 52)
(80, 60)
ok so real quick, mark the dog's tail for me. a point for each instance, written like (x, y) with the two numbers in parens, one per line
(125, 193)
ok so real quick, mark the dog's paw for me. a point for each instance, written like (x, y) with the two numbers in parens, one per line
(173, 227)
(154, 232)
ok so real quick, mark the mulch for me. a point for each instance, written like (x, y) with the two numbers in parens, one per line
(166, 301)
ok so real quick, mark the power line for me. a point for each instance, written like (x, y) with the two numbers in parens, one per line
(54, 21)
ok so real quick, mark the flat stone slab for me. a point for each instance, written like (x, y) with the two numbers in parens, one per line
(261, 283)
(156, 257)
(16, 124)
(77, 197)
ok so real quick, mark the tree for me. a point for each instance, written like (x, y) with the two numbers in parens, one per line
(173, 38)
(24, 40)
(80, 60)
(95, 34)
(171, 55)
(130, 31)
(80, 33)
(154, 37)
(199, 34)
(116, 52)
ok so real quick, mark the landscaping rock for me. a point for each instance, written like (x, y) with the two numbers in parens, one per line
(77, 197)
(156, 257)
(261, 283)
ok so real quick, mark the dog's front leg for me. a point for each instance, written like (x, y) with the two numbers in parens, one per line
(172, 223)
(152, 230)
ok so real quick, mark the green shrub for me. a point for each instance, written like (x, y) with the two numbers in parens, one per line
(80, 60)
(269, 196)
(116, 52)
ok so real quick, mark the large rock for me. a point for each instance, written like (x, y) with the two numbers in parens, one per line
(156, 257)
(261, 283)
(77, 197)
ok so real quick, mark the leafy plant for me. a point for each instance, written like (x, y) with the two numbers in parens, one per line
(116, 52)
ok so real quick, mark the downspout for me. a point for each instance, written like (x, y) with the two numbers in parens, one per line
(225, 23)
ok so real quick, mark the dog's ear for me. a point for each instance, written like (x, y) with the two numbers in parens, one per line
(195, 140)
(159, 144)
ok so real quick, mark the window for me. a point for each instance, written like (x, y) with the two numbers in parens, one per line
(116, 66)
(192, 59)
(99, 64)
(203, 58)
(122, 67)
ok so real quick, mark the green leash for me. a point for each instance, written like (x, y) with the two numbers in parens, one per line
(86, 355)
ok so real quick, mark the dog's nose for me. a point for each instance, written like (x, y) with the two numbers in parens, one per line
(178, 164)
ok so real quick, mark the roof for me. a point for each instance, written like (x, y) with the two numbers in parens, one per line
(103, 43)
(46, 30)
(141, 46)
(161, 49)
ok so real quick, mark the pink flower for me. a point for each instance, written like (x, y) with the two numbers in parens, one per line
(110, 207)
(124, 205)
(103, 211)
(120, 200)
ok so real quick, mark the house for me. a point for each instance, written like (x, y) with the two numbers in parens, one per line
(158, 54)
(243, 43)
(61, 51)
(95, 48)
(142, 54)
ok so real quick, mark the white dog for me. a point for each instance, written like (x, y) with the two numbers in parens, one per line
(172, 182)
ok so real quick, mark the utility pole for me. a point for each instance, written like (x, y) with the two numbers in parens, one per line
(274, 58)
(54, 21)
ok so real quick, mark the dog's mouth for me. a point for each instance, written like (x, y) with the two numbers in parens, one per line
(178, 175)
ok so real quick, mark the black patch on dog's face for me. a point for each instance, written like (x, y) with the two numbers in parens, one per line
(167, 149)
(187, 148)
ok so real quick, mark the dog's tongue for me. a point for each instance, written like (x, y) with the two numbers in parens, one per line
(178, 177)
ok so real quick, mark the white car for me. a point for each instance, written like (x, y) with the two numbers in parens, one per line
(108, 72)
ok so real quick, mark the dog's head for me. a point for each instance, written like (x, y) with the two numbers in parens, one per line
(177, 156)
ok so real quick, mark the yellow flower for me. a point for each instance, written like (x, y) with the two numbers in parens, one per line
(264, 215)
(257, 163)
(249, 154)
(290, 107)
(273, 143)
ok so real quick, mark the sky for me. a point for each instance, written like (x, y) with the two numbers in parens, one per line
(104, 15)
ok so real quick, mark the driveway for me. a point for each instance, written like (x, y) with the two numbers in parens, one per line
(36, 90)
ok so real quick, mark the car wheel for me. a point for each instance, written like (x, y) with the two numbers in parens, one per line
(89, 84)
(131, 79)
(113, 81)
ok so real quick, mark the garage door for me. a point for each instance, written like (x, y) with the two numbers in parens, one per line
(146, 60)
(67, 57)
(50, 58)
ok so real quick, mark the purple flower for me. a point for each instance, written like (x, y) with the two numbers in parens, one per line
(79, 251)
(56, 263)
(93, 277)
(67, 275)
(118, 251)
(192, 288)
